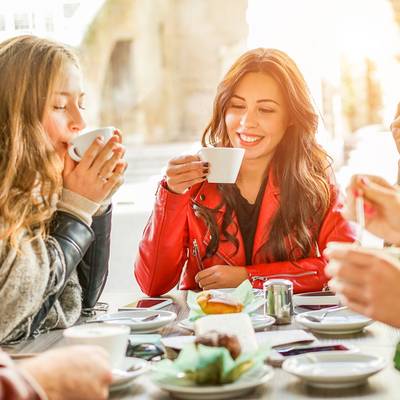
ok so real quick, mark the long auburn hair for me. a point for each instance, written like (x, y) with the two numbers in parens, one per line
(30, 169)
(300, 166)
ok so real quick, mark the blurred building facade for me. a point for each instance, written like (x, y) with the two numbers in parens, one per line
(151, 66)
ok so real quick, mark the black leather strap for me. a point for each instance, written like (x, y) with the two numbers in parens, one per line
(93, 269)
(74, 238)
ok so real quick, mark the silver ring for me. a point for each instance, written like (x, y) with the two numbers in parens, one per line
(103, 178)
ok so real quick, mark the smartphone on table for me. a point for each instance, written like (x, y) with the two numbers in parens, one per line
(278, 356)
(153, 303)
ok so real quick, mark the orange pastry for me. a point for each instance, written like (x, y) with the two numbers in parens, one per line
(217, 304)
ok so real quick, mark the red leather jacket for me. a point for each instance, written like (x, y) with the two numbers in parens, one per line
(173, 235)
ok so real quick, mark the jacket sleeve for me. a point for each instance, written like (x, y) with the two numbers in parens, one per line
(14, 385)
(308, 274)
(163, 248)
(74, 238)
(93, 269)
(33, 277)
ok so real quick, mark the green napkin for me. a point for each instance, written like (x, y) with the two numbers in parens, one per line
(207, 365)
(243, 293)
(396, 358)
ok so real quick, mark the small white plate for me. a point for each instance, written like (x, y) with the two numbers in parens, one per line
(245, 384)
(341, 322)
(316, 299)
(164, 318)
(258, 321)
(334, 369)
(130, 370)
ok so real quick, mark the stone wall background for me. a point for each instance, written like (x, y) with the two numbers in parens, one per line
(152, 66)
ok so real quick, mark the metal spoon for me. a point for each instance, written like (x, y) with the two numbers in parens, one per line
(145, 319)
(317, 318)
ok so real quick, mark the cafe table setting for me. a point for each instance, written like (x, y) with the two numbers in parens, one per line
(238, 359)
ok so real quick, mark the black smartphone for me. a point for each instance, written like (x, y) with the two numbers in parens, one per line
(311, 349)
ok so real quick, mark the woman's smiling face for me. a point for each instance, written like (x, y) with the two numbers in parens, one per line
(257, 117)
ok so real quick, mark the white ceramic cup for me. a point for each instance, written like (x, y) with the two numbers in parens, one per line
(224, 163)
(81, 143)
(112, 338)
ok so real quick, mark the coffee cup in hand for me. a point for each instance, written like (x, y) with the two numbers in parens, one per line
(112, 338)
(81, 143)
(224, 163)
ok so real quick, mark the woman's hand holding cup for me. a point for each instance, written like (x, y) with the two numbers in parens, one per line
(100, 170)
(184, 172)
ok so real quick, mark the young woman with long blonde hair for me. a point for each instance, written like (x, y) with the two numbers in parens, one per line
(55, 214)
(278, 217)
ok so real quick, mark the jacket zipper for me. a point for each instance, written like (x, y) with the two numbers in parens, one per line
(227, 261)
(265, 278)
(196, 254)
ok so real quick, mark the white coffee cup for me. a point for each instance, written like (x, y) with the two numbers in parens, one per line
(113, 338)
(81, 143)
(224, 163)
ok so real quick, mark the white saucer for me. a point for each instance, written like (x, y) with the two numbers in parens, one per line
(191, 391)
(164, 318)
(334, 369)
(335, 323)
(258, 321)
(130, 370)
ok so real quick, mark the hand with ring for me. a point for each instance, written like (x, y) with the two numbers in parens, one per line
(100, 172)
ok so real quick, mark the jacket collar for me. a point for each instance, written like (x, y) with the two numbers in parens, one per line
(207, 194)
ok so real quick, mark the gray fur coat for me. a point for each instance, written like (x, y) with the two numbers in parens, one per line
(27, 279)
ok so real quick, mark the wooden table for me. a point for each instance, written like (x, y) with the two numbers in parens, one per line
(377, 339)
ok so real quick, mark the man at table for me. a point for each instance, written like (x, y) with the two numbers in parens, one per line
(368, 280)
(73, 373)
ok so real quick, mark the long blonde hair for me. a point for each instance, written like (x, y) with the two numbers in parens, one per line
(30, 170)
(300, 165)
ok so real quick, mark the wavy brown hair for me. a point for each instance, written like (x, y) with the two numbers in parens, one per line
(30, 170)
(300, 166)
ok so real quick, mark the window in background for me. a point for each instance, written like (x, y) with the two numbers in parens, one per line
(49, 23)
(70, 9)
(21, 21)
(2, 23)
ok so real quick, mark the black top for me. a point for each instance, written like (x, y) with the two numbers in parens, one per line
(247, 215)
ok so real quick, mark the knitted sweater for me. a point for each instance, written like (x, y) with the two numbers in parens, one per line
(27, 279)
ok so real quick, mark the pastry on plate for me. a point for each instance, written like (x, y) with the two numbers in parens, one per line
(212, 303)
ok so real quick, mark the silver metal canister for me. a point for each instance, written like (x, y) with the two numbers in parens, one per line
(278, 295)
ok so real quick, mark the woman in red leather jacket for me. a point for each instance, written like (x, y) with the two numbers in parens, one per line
(276, 220)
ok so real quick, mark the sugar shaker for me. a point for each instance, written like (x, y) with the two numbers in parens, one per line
(278, 295)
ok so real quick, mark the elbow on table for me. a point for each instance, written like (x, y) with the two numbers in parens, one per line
(147, 284)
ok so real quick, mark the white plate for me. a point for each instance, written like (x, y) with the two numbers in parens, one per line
(272, 338)
(245, 384)
(335, 323)
(130, 370)
(164, 318)
(258, 321)
(334, 369)
(313, 299)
